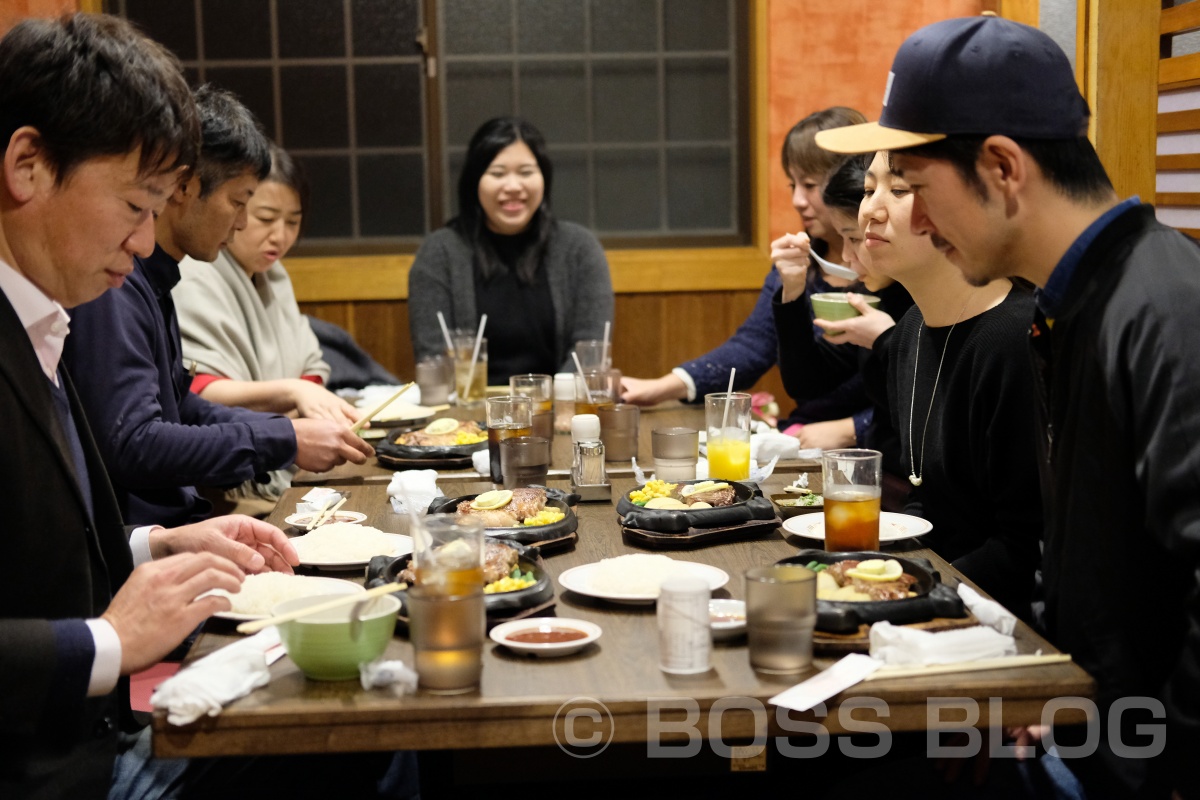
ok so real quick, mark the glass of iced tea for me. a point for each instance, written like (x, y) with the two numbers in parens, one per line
(470, 383)
(727, 416)
(539, 389)
(448, 553)
(596, 389)
(447, 633)
(851, 485)
(507, 417)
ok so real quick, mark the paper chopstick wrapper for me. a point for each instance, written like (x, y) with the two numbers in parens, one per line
(208, 685)
(850, 670)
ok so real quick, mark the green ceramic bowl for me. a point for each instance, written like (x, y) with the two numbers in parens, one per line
(834, 305)
(326, 646)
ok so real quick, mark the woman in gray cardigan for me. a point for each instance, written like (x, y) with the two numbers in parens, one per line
(543, 283)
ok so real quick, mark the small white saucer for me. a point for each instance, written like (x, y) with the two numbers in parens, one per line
(501, 632)
(727, 618)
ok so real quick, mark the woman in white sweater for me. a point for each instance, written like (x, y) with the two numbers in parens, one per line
(242, 330)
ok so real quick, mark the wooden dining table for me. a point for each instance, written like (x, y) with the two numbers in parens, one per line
(521, 701)
(666, 415)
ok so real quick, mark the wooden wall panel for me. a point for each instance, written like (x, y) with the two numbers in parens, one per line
(652, 332)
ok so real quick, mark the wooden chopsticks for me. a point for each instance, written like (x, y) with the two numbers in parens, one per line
(342, 600)
(920, 670)
(358, 426)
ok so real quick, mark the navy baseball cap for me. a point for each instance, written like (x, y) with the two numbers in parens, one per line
(976, 75)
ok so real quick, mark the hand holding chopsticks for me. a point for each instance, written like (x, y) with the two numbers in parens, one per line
(337, 602)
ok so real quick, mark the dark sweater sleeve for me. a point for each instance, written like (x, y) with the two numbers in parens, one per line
(591, 301)
(751, 349)
(809, 365)
(112, 351)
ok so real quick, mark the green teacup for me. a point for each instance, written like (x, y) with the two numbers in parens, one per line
(834, 305)
(329, 645)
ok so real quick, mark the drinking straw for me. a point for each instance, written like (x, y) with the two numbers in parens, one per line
(604, 347)
(728, 397)
(578, 366)
(475, 355)
(445, 332)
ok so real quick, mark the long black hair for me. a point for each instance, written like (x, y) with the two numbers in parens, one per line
(492, 137)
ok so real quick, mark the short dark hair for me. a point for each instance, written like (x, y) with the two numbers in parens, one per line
(93, 86)
(800, 150)
(1072, 166)
(287, 171)
(231, 140)
(844, 188)
(492, 137)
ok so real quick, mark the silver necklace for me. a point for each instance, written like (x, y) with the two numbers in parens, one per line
(915, 477)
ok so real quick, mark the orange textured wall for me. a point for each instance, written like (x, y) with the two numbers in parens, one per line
(13, 11)
(822, 54)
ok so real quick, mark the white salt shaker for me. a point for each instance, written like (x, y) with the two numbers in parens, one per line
(684, 635)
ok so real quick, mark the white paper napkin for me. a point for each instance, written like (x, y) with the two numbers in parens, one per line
(989, 612)
(773, 444)
(481, 460)
(417, 485)
(393, 675)
(896, 644)
(206, 686)
(847, 672)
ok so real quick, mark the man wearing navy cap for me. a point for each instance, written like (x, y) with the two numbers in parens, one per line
(989, 129)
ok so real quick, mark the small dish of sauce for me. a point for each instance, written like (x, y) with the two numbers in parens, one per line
(546, 636)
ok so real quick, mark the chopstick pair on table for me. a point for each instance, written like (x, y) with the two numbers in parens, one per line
(329, 509)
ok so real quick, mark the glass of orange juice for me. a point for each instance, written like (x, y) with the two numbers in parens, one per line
(727, 416)
(851, 485)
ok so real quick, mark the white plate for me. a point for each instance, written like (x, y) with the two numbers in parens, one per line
(579, 580)
(500, 633)
(302, 520)
(892, 527)
(319, 586)
(403, 546)
(727, 629)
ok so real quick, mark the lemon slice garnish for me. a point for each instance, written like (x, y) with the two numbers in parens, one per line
(497, 498)
(877, 569)
(440, 426)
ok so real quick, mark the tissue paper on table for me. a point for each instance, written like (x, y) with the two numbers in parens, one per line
(989, 612)
(394, 675)
(418, 485)
(773, 444)
(481, 460)
(219, 678)
(317, 498)
(896, 644)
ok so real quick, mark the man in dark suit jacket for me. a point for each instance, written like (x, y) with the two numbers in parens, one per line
(96, 122)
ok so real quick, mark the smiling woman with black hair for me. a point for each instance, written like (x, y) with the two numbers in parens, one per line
(543, 282)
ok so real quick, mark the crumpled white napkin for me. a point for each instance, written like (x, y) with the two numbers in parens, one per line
(896, 644)
(481, 460)
(394, 675)
(989, 612)
(759, 474)
(374, 394)
(206, 686)
(773, 444)
(418, 485)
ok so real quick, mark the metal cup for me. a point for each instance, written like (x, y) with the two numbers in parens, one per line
(619, 432)
(524, 461)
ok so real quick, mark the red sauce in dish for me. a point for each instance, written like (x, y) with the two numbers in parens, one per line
(547, 636)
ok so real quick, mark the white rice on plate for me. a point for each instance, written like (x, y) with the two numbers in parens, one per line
(345, 542)
(260, 593)
(635, 574)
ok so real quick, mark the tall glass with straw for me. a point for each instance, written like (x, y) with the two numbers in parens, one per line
(470, 366)
(727, 417)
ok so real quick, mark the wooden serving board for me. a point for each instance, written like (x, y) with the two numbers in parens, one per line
(860, 642)
(699, 537)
